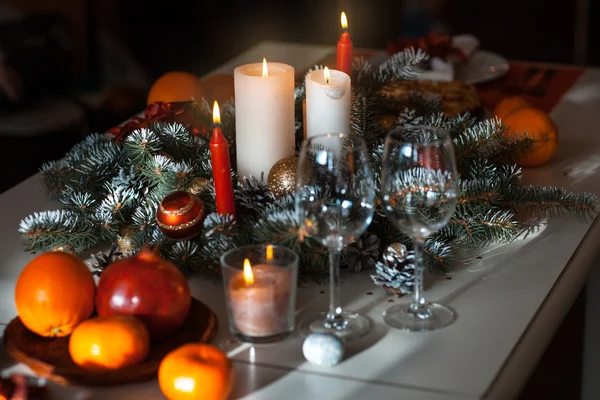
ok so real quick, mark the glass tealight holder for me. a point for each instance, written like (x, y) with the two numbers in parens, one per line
(260, 289)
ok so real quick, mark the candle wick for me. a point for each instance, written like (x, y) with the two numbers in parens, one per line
(327, 80)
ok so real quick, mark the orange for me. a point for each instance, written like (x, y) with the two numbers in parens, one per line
(106, 343)
(54, 293)
(538, 126)
(176, 86)
(510, 104)
(196, 371)
(219, 87)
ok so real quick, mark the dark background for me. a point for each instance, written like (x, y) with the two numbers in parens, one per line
(148, 39)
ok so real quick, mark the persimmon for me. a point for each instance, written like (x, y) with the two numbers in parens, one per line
(538, 126)
(107, 343)
(510, 104)
(176, 86)
(196, 371)
(54, 293)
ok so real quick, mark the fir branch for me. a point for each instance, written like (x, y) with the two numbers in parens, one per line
(55, 176)
(478, 226)
(363, 120)
(95, 165)
(550, 201)
(47, 229)
(438, 255)
(77, 201)
(403, 65)
(186, 255)
(141, 145)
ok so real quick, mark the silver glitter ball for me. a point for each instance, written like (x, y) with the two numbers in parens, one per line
(323, 349)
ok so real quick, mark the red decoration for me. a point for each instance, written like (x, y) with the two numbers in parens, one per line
(148, 287)
(180, 215)
(435, 45)
(182, 112)
(344, 49)
(221, 166)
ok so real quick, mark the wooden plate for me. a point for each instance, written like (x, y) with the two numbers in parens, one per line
(49, 357)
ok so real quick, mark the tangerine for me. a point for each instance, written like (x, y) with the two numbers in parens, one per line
(219, 87)
(107, 343)
(176, 86)
(510, 104)
(54, 293)
(538, 126)
(196, 371)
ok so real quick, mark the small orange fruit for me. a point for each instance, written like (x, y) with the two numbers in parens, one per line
(538, 126)
(196, 371)
(219, 87)
(510, 104)
(176, 86)
(54, 293)
(105, 343)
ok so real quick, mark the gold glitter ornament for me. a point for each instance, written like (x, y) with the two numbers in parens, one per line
(282, 176)
(125, 238)
(64, 249)
(198, 185)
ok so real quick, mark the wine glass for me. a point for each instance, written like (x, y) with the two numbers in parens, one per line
(419, 186)
(334, 204)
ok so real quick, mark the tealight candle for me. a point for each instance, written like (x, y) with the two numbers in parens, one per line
(328, 102)
(260, 288)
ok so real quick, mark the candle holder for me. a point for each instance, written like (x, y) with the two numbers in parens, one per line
(260, 291)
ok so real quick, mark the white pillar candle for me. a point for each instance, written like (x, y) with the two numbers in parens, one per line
(264, 116)
(328, 101)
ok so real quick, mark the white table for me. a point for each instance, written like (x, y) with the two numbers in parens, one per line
(509, 303)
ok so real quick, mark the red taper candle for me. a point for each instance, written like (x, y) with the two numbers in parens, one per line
(344, 49)
(221, 166)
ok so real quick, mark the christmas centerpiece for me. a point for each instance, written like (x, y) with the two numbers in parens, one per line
(110, 185)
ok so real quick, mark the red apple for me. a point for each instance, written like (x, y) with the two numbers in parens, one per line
(148, 287)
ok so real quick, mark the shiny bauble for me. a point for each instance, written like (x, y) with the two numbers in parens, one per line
(148, 287)
(198, 184)
(125, 238)
(180, 215)
(323, 349)
(282, 176)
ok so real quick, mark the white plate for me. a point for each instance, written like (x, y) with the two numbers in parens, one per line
(483, 66)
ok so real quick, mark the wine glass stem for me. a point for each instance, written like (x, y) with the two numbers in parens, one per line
(334, 318)
(419, 307)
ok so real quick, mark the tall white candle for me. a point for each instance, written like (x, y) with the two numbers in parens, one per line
(328, 101)
(264, 116)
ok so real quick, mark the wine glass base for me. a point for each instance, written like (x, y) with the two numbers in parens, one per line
(401, 317)
(355, 326)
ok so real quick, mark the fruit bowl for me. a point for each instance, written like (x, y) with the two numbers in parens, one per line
(49, 357)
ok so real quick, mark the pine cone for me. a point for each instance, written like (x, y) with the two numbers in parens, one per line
(363, 253)
(397, 271)
(396, 281)
(103, 260)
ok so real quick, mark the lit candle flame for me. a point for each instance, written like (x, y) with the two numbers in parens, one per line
(265, 72)
(216, 113)
(327, 74)
(269, 253)
(248, 275)
(344, 21)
